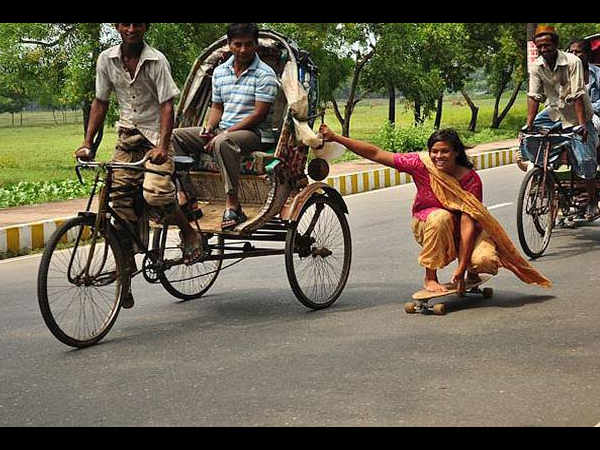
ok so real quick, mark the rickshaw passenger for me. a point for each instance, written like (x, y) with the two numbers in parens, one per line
(449, 219)
(141, 78)
(240, 119)
(591, 75)
(557, 78)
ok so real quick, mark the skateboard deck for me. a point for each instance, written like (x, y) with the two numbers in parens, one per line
(422, 297)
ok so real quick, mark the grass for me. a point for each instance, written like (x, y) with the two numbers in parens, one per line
(44, 153)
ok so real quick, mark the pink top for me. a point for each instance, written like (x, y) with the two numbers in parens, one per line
(426, 202)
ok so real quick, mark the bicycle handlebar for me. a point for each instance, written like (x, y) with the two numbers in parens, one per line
(138, 165)
(547, 132)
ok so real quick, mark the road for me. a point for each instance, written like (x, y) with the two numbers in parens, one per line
(249, 354)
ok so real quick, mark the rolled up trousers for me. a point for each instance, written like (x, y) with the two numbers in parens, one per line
(439, 240)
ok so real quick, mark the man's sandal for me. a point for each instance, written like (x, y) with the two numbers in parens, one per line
(232, 218)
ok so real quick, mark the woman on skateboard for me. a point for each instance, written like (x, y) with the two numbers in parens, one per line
(449, 218)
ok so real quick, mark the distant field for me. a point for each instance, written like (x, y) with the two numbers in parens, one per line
(44, 153)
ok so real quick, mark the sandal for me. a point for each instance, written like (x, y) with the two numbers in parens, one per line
(232, 218)
(191, 253)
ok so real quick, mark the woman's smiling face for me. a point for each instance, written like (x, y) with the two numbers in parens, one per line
(443, 156)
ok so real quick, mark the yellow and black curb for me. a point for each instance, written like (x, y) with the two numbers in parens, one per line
(16, 239)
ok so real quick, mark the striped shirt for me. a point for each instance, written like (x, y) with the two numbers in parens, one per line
(238, 95)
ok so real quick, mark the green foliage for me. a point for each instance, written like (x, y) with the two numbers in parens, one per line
(402, 139)
(28, 192)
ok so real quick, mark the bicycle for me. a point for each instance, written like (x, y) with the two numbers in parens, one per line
(82, 279)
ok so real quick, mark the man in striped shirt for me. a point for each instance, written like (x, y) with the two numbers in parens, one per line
(240, 118)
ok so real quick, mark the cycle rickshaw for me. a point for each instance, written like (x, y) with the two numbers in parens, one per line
(551, 195)
(81, 279)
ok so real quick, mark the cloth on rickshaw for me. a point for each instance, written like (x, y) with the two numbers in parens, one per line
(453, 197)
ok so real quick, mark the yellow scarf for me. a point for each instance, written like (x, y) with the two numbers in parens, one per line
(452, 196)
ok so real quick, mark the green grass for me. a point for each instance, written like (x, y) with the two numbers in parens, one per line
(44, 153)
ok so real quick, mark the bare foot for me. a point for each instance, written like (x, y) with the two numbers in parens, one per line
(434, 286)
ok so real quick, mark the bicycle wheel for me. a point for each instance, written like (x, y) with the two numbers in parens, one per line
(182, 281)
(536, 212)
(318, 252)
(80, 309)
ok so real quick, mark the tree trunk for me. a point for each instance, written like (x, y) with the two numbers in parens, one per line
(418, 119)
(392, 104)
(510, 103)
(438, 113)
(502, 86)
(474, 110)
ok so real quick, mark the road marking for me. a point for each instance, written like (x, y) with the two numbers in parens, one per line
(500, 205)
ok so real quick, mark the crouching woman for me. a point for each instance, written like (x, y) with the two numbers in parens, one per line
(449, 219)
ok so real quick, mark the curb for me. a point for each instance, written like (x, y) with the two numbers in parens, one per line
(15, 239)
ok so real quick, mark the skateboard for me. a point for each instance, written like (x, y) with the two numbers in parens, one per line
(421, 303)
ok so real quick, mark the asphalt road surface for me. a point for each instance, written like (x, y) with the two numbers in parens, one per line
(249, 354)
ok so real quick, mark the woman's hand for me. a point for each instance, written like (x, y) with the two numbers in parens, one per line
(458, 279)
(326, 133)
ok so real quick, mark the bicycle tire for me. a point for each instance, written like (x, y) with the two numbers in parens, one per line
(94, 302)
(186, 282)
(535, 215)
(306, 269)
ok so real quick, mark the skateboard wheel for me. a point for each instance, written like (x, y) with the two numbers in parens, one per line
(410, 308)
(439, 309)
(487, 292)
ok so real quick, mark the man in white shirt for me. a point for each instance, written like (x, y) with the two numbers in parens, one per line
(140, 76)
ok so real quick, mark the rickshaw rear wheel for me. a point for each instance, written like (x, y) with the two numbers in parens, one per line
(318, 253)
(182, 281)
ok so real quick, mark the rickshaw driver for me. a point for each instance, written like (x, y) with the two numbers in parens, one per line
(557, 78)
(141, 78)
(240, 118)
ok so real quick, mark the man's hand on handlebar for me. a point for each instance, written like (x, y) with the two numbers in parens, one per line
(84, 153)
(582, 131)
(158, 155)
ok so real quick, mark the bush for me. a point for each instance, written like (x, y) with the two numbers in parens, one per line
(402, 140)
(29, 193)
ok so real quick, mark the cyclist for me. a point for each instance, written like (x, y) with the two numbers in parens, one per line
(557, 78)
(140, 77)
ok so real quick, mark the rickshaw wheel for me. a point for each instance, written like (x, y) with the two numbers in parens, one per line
(182, 281)
(318, 253)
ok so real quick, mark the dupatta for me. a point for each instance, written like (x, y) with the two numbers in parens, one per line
(452, 196)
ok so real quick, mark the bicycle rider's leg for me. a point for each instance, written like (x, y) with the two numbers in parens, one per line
(131, 146)
(585, 166)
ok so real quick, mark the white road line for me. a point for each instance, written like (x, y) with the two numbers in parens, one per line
(500, 205)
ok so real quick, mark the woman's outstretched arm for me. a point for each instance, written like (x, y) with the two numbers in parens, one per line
(368, 151)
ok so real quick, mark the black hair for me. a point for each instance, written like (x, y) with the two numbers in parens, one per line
(242, 29)
(587, 47)
(450, 136)
(147, 25)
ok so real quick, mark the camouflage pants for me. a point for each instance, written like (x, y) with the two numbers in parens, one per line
(158, 191)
